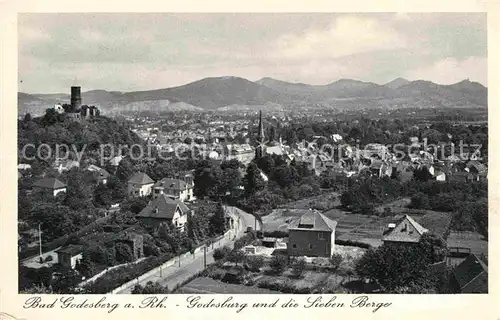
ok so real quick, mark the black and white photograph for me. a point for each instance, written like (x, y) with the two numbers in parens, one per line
(252, 153)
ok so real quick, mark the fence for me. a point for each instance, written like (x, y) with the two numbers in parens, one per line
(169, 263)
(95, 277)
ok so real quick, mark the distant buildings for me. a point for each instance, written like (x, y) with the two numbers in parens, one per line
(312, 235)
(140, 185)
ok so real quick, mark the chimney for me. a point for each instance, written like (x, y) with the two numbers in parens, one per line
(76, 98)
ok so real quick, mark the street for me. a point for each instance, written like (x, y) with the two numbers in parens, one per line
(174, 275)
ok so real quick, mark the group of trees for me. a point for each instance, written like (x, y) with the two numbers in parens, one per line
(264, 184)
(406, 267)
(466, 202)
(365, 130)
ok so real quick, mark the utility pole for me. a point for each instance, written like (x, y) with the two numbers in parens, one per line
(204, 257)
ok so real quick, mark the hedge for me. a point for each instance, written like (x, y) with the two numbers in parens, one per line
(352, 243)
(119, 276)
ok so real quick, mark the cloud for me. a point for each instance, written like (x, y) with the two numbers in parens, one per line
(347, 35)
(452, 70)
(146, 51)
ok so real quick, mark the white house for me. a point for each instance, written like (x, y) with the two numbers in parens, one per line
(52, 186)
(70, 255)
(174, 188)
(165, 209)
(140, 185)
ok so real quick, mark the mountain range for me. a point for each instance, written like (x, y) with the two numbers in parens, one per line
(234, 93)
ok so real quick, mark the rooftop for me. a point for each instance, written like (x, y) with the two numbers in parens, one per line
(49, 183)
(140, 178)
(314, 221)
(163, 207)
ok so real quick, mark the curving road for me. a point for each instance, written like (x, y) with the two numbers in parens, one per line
(192, 264)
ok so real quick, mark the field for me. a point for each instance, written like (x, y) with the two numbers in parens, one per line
(321, 202)
(207, 285)
(472, 240)
(357, 227)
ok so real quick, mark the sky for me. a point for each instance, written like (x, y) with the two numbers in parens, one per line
(143, 51)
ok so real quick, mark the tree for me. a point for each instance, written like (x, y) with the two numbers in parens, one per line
(253, 180)
(217, 221)
(221, 253)
(102, 195)
(85, 266)
(125, 170)
(79, 194)
(394, 267)
(123, 253)
(435, 247)
(150, 288)
(336, 260)
(50, 118)
(420, 201)
(254, 263)
(236, 256)
(422, 174)
(27, 117)
(278, 264)
(117, 188)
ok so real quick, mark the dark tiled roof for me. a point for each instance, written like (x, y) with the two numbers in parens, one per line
(49, 183)
(140, 178)
(169, 183)
(469, 269)
(162, 207)
(398, 236)
(314, 221)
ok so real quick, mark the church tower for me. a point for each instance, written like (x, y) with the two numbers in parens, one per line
(259, 150)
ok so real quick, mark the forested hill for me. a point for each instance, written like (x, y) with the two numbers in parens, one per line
(52, 130)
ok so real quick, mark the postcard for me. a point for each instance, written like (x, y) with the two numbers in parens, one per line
(249, 160)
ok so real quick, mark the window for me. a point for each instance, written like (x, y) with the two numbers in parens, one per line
(310, 246)
(294, 245)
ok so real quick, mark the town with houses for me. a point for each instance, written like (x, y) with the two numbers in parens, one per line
(252, 203)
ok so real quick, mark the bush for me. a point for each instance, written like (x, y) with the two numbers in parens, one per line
(278, 264)
(236, 256)
(275, 285)
(221, 253)
(245, 240)
(254, 263)
(298, 267)
(336, 260)
(352, 243)
(150, 288)
(124, 253)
